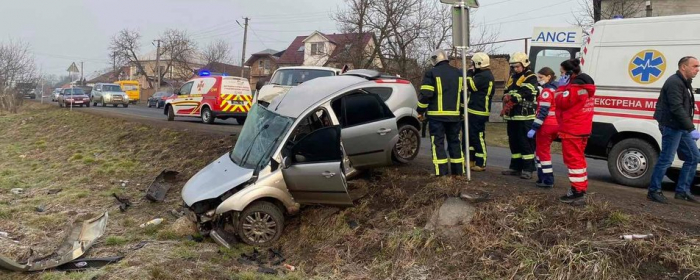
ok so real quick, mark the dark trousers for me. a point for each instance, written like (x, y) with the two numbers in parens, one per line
(522, 149)
(450, 131)
(477, 139)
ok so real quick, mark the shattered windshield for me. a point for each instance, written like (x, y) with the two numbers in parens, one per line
(260, 137)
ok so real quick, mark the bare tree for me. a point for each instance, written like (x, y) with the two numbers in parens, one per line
(179, 53)
(126, 46)
(217, 51)
(584, 17)
(16, 67)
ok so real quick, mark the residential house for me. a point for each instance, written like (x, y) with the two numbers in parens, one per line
(122, 73)
(356, 50)
(609, 8)
(262, 65)
(173, 71)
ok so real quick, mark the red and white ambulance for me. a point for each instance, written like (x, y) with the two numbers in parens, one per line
(629, 59)
(210, 97)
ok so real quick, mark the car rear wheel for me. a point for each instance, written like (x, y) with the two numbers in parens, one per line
(631, 162)
(408, 146)
(241, 120)
(207, 116)
(125, 106)
(87, 104)
(171, 113)
(260, 224)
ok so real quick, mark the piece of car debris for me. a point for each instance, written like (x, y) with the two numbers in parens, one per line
(290, 267)
(161, 185)
(140, 245)
(197, 238)
(276, 257)
(474, 196)
(41, 208)
(153, 222)
(124, 202)
(78, 240)
(267, 270)
(83, 264)
(636, 236)
(17, 191)
(54, 191)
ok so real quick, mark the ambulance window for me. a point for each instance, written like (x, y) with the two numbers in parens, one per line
(551, 59)
(186, 88)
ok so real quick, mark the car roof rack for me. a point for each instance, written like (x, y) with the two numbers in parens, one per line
(370, 74)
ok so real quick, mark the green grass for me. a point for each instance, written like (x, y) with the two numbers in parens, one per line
(115, 241)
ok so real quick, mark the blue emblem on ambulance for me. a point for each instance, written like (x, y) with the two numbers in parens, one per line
(647, 67)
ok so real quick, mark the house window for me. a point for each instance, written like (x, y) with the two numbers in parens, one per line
(317, 48)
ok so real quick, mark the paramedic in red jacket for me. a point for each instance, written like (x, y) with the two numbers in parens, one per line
(545, 128)
(574, 110)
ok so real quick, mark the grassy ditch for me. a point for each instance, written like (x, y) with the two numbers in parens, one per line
(516, 235)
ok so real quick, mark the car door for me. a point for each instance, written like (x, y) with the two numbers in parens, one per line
(182, 104)
(369, 129)
(313, 170)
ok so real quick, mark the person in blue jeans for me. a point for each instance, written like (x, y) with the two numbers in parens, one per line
(675, 109)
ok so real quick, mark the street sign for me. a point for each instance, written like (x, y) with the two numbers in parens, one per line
(469, 3)
(73, 68)
(460, 18)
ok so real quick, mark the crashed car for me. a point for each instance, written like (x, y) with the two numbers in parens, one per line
(299, 150)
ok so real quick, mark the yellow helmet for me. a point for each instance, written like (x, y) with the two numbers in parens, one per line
(520, 57)
(481, 60)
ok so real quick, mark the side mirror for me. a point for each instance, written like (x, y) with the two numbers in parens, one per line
(286, 162)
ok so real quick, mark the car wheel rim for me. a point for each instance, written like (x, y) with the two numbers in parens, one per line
(632, 164)
(205, 115)
(259, 227)
(408, 143)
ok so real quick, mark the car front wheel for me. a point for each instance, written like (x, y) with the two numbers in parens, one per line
(241, 120)
(260, 224)
(631, 162)
(171, 113)
(408, 146)
(207, 116)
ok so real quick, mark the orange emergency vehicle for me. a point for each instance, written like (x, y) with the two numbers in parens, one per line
(211, 97)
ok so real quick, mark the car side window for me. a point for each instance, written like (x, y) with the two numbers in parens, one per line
(186, 88)
(311, 123)
(360, 108)
(322, 145)
(383, 92)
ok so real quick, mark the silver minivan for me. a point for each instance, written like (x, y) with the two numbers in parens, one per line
(300, 150)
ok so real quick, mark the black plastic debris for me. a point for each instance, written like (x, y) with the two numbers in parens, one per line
(267, 270)
(140, 245)
(276, 257)
(83, 264)
(161, 185)
(353, 224)
(124, 202)
(195, 238)
(54, 191)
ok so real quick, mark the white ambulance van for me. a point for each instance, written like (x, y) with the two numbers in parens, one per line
(629, 59)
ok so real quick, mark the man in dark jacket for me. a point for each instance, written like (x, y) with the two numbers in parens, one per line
(441, 98)
(674, 112)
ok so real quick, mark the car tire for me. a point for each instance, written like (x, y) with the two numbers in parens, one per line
(265, 216)
(408, 146)
(103, 103)
(631, 162)
(171, 113)
(149, 105)
(241, 120)
(125, 106)
(87, 105)
(207, 116)
(60, 105)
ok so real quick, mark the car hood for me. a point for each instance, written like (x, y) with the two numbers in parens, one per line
(215, 179)
(270, 92)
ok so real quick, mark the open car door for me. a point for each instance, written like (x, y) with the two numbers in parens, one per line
(313, 171)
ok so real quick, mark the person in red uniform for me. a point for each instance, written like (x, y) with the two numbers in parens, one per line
(545, 128)
(574, 110)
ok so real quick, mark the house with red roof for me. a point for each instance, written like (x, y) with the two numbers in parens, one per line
(356, 50)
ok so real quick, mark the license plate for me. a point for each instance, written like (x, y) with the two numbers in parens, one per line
(78, 102)
(236, 102)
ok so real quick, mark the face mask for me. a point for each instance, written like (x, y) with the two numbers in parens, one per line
(541, 82)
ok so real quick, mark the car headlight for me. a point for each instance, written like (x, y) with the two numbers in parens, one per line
(126, 97)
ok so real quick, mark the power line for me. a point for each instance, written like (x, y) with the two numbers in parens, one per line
(259, 40)
(510, 16)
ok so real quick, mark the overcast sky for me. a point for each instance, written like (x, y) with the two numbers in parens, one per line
(64, 31)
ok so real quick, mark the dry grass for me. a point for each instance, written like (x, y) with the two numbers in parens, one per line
(514, 236)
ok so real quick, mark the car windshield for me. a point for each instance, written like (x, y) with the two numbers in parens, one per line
(129, 87)
(75, 91)
(293, 77)
(259, 138)
(115, 88)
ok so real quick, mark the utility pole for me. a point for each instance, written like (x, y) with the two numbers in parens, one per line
(597, 10)
(245, 40)
(157, 65)
(114, 62)
(650, 9)
(81, 74)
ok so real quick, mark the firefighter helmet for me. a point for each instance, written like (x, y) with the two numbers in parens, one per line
(438, 56)
(520, 57)
(481, 60)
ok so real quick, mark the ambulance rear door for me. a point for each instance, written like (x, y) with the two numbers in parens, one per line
(552, 45)
(236, 95)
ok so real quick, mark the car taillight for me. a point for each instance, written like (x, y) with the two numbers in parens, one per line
(392, 81)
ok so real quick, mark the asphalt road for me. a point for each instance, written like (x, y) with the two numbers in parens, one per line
(497, 157)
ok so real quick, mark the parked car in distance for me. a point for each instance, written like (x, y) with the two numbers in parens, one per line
(105, 94)
(158, 99)
(299, 150)
(285, 78)
(54, 95)
(74, 96)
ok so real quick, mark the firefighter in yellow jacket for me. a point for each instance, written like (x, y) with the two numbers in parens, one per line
(440, 99)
